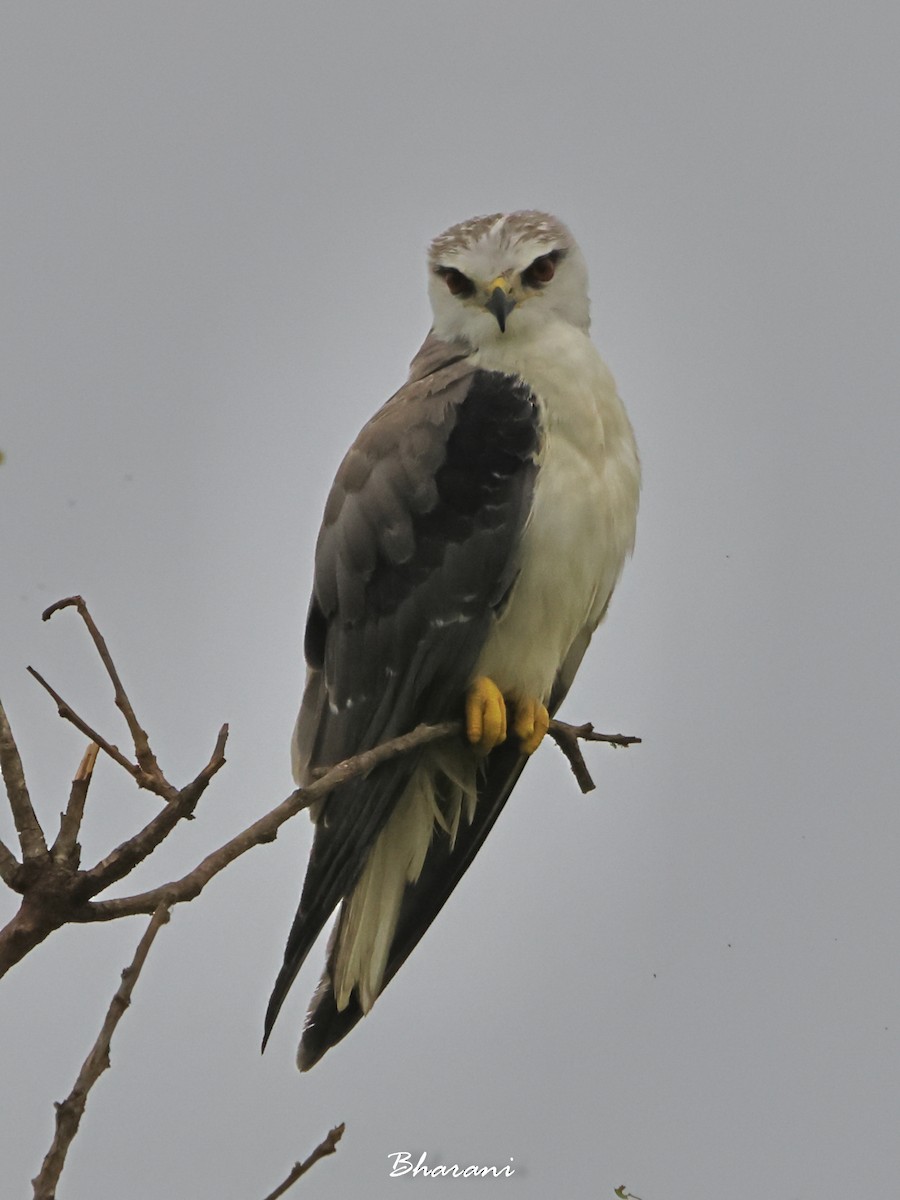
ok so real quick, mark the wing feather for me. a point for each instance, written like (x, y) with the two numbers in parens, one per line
(418, 548)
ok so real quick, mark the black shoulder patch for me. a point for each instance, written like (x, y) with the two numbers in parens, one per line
(488, 463)
(496, 432)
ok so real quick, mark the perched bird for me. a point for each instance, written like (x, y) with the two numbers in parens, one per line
(469, 548)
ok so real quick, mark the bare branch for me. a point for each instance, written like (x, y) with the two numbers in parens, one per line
(568, 743)
(264, 830)
(31, 836)
(38, 917)
(587, 733)
(327, 1146)
(65, 848)
(59, 893)
(567, 736)
(360, 764)
(145, 756)
(68, 714)
(70, 1111)
(126, 857)
(56, 893)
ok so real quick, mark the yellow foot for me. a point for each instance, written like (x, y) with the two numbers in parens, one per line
(485, 715)
(530, 723)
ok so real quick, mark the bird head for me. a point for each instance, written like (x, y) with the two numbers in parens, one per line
(503, 276)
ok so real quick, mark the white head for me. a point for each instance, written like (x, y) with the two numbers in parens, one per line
(504, 276)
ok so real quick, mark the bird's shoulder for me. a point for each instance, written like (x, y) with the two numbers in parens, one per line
(424, 469)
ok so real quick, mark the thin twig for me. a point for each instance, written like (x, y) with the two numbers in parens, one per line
(145, 756)
(64, 849)
(126, 857)
(327, 1146)
(587, 733)
(31, 836)
(70, 1111)
(68, 714)
(567, 737)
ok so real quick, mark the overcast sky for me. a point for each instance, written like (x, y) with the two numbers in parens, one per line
(214, 218)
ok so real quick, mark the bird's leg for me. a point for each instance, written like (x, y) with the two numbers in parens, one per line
(530, 722)
(485, 715)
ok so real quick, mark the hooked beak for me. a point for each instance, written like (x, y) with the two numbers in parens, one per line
(501, 303)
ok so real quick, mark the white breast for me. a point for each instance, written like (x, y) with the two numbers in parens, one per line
(582, 522)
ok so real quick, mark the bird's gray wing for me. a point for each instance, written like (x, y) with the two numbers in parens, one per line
(418, 550)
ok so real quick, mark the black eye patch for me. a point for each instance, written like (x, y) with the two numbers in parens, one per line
(542, 269)
(457, 283)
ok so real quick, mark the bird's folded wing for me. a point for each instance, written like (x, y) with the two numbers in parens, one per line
(417, 553)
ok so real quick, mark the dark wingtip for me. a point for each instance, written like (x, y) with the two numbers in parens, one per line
(326, 1024)
(306, 1060)
(282, 985)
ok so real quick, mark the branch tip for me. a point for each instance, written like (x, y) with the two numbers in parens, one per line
(143, 753)
(327, 1146)
(65, 848)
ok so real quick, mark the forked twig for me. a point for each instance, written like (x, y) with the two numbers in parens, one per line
(145, 756)
(68, 713)
(567, 737)
(126, 857)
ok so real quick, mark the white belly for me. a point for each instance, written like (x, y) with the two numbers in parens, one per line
(582, 522)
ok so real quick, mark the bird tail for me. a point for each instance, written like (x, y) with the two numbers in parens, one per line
(452, 843)
(441, 792)
(342, 842)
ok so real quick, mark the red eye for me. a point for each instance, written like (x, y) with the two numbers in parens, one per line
(457, 283)
(541, 270)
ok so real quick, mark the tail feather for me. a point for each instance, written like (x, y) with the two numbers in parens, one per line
(356, 814)
(449, 854)
(440, 787)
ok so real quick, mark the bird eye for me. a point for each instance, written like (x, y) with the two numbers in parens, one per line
(541, 270)
(457, 283)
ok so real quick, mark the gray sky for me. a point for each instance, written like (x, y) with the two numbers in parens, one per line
(214, 222)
